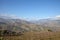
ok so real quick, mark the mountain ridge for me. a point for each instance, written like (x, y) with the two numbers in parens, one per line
(19, 25)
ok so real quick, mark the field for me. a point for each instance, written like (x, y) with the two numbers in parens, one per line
(34, 36)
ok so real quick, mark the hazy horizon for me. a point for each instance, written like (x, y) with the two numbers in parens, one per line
(30, 9)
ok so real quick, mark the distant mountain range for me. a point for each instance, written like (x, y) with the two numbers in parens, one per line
(48, 22)
(19, 25)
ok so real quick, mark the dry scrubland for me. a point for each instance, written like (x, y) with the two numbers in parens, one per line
(34, 36)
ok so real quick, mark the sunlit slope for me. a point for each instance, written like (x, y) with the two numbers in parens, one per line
(43, 35)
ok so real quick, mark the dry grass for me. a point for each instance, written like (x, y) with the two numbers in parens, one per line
(35, 36)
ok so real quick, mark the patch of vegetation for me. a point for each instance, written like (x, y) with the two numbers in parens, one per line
(50, 30)
(35, 36)
(9, 33)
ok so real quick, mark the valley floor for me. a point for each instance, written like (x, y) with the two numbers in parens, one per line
(34, 36)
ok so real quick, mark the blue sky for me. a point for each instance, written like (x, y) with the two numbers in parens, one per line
(30, 9)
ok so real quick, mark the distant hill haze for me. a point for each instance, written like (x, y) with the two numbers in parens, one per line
(19, 25)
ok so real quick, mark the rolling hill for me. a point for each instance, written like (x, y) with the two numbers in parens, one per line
(19, 25)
